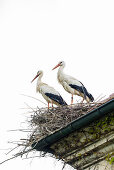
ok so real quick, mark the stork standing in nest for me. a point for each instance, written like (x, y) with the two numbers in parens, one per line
(72, 85)
(49, 93)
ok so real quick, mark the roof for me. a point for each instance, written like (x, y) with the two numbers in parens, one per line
(95, 114)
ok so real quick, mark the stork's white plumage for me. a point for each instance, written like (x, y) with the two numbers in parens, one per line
(72, 85)
(48, 92)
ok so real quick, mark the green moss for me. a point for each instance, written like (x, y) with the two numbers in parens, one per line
(104, 125)
(110, 158)
(79, 139)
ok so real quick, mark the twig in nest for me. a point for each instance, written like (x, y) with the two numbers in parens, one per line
(34, 98)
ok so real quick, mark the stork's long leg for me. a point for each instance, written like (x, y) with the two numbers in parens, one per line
(52, 104)
(82, 100)
(72, 99)
(48, 105)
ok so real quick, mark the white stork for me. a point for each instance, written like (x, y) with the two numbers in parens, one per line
(49, 93)
(72, 85)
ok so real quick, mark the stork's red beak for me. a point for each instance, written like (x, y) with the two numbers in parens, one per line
(56, 66)
(35, 78)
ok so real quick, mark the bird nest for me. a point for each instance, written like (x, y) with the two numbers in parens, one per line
(45, 122)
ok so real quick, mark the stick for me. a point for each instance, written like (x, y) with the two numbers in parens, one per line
(33, 98)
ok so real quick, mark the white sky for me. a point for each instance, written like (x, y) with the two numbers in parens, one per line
(36, 34)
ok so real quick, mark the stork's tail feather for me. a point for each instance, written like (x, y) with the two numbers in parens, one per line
(64, 103)
(86, 93)
(90, 97)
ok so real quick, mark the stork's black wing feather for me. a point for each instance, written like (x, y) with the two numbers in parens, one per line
(56, 98)
(83, 90)
(79, 88)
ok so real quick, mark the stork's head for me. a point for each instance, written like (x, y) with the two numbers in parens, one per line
(39, 73)
(61, 64)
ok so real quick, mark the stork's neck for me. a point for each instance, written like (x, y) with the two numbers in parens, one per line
(60, 71)
(60, 74)
(39, 82)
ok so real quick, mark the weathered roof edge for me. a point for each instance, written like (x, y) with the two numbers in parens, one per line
(44, 144)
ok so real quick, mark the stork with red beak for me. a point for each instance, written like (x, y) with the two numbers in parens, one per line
(72, 85)
(49, 93)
